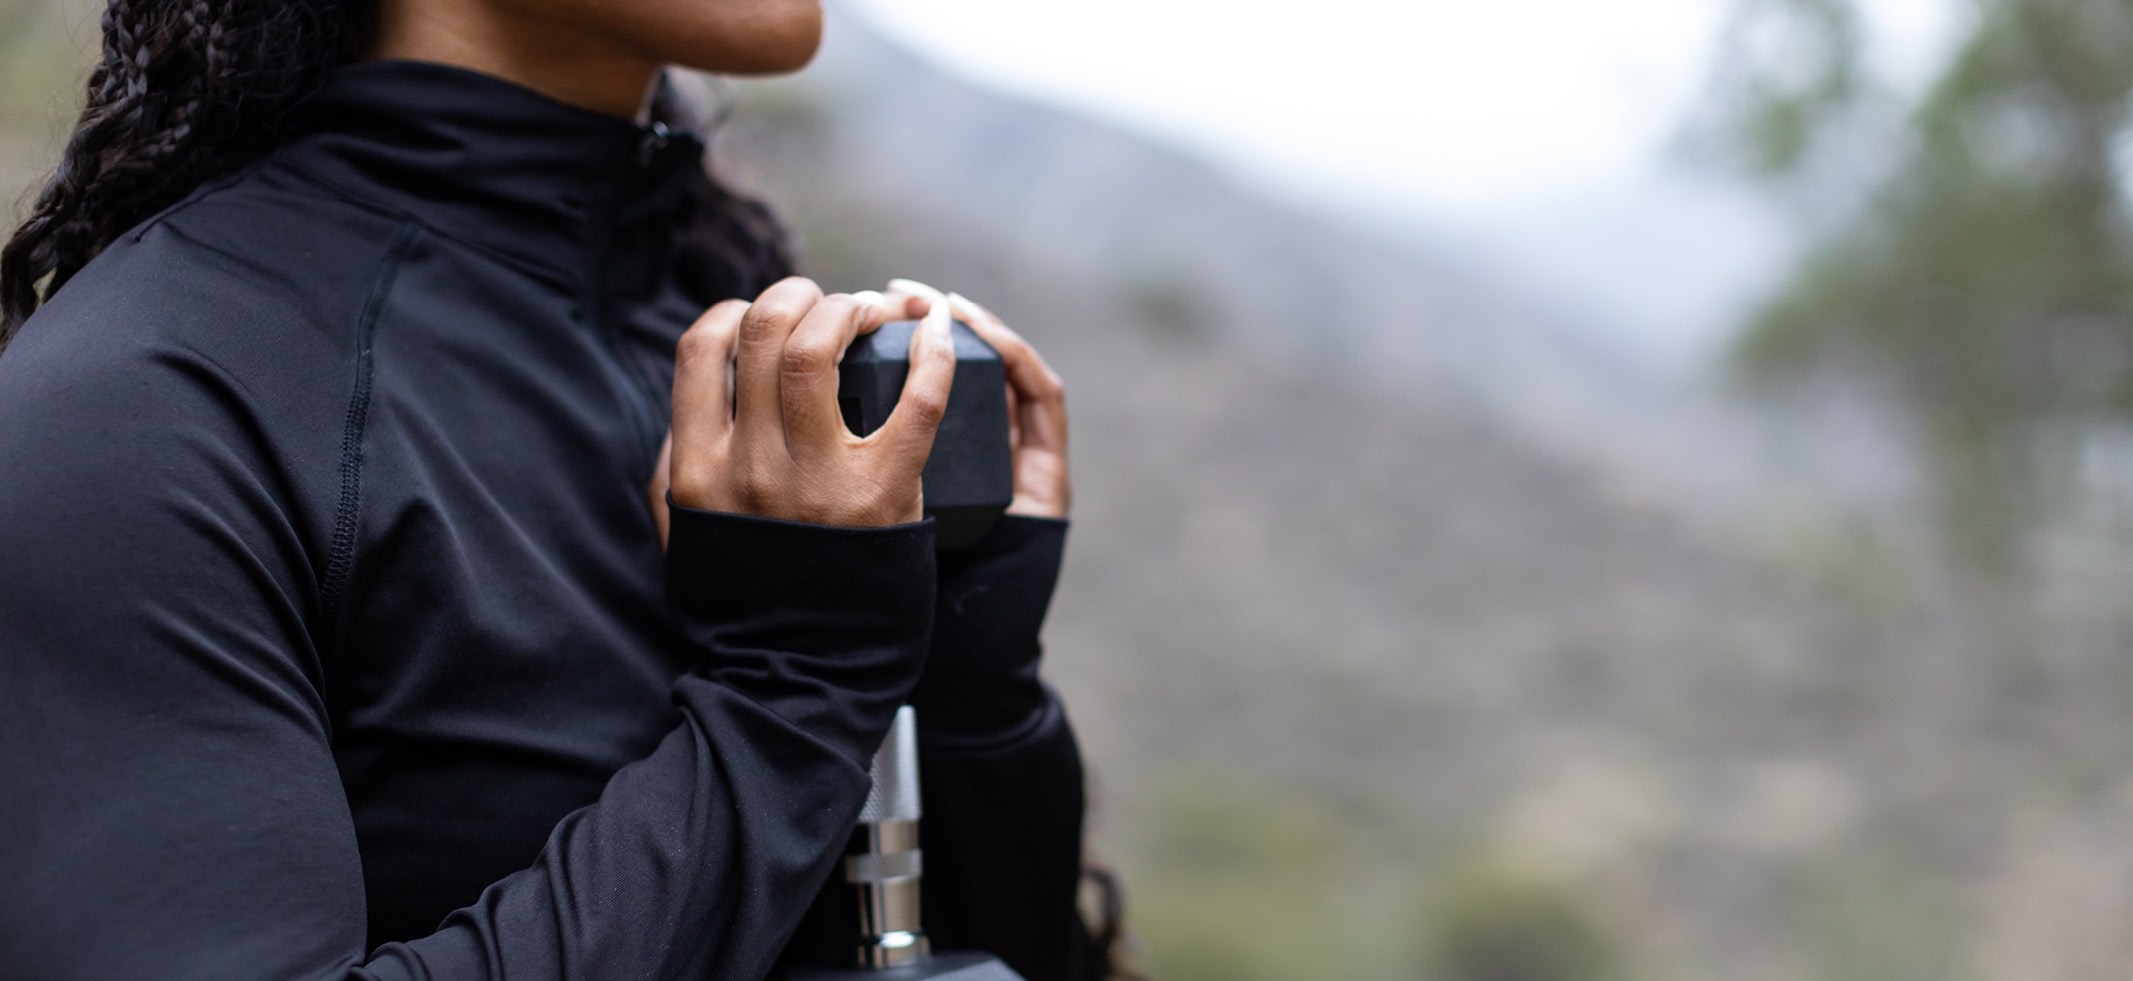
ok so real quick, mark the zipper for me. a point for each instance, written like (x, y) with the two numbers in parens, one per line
(601, 228)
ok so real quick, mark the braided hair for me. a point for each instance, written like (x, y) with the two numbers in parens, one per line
(186, 90)
(189, 90)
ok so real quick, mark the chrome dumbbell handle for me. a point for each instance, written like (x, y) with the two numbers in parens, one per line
(884, 863)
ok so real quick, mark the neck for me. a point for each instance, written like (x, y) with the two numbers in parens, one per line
(561, 62)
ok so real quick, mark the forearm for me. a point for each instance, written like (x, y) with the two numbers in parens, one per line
(982, 685)
(174, 810)
(1001, 774)
(1002, 839)
(694, 863)
(708, 851)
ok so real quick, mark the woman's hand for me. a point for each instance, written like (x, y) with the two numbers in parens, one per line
(1036, 403)
(982, 683)
(756, 425)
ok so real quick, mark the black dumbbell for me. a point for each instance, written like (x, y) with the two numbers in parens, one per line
(969, 480)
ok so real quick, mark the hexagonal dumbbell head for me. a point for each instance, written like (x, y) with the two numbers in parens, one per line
(969, 479)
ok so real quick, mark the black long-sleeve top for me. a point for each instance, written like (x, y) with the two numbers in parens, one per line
(336, 639)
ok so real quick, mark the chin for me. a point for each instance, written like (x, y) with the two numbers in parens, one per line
(762, 37)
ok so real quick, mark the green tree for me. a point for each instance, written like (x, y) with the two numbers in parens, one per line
(1987, 284)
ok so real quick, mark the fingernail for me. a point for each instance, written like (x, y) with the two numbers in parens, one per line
(965, 307)
(915, 288)
(872, 298)
(937, 320)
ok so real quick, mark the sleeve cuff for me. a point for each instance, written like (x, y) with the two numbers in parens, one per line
(827, 627)
(982, 685)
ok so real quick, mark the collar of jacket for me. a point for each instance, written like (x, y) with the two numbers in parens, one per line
(540, 182)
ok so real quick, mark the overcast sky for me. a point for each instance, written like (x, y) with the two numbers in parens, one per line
(1449, 105)
(1531, 132)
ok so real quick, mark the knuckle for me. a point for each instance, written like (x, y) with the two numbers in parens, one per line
(764, 320)
(691, 480)
(716, 321)
(789, 297)
(796, 286)
(695, 343)
(926, 408)
(805, 359)
(840, 305)
(756, 486)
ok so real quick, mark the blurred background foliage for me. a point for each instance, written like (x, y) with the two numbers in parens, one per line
(1388, 667)
(1987, 283)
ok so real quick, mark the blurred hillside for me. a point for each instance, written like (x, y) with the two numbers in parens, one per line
(1381, 671)
(1400, 635)
(46, 47)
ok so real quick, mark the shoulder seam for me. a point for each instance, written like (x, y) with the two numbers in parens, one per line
(341, 552)
(206, 188)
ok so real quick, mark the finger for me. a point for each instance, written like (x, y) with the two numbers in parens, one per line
(907, 306)
(1042, 485)
(885, 309)
(657, 490)
(760, 356)
(703, 377)
(808, 381)
(1044, 428)
(1039, 415)
(1026, 369)
(917, 298)
(1014, 419)
(912, 287)
(908, 432)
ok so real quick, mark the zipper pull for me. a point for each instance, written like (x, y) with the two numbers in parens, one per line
(655, 140)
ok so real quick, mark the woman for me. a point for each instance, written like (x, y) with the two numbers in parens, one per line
(336, 637)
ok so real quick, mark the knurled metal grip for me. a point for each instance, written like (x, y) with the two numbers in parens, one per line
(894, 795)
(884, 862)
